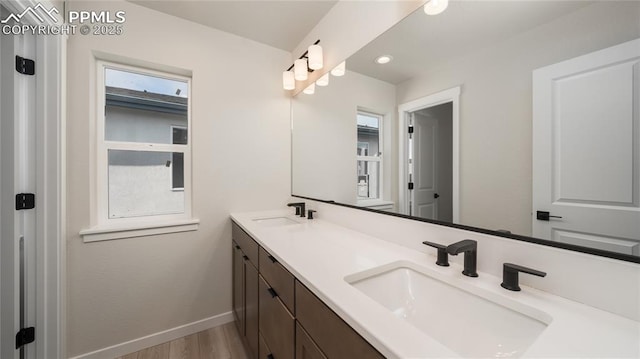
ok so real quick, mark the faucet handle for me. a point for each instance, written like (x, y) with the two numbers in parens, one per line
(310, 213)
(299, 208)
(510, 275)
(443, 257)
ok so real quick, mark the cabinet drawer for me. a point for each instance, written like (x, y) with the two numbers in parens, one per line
(278, 278)
(336, 339)
(248, 245)
(305, 347)
(277, 325)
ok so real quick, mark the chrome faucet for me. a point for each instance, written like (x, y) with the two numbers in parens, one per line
(470, 249)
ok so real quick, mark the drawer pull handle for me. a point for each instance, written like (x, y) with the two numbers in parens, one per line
(272, 259)
(245, 257)
(270, 356)
(237, 247)
(272, 292)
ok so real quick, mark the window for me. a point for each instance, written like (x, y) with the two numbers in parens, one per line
(143, 146)
(369, 155)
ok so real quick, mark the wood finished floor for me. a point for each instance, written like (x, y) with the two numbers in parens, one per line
(221, 342)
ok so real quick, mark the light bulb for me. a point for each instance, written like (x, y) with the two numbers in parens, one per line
(310, 90)
(384, 59)
(315, 57)
(323, 80)
(300, 69)
(339, 70)
(434, 7)
(288, 82)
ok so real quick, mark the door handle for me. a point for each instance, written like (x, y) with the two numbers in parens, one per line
(436, 196)
(545, 216)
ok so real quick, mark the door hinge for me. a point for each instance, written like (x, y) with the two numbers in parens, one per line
(25, 201)
(25, 336)
(25, 66)
(410, 129)
(410, 185)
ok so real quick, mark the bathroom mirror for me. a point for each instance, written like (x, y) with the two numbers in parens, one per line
(451, 129)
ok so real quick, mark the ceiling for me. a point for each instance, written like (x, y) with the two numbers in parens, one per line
(281, 24)
(422, 42)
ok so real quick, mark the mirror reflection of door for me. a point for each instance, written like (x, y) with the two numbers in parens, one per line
(586, 158)
(431, 162)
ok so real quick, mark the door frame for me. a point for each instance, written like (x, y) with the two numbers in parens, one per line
(450, 95)
(50, 192)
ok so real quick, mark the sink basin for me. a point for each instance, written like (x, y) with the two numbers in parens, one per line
(469, 321)
(275, 221)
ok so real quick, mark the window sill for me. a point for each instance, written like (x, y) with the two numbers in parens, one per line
(140, 230)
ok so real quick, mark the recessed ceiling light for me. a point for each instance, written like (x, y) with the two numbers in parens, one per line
(434, 7)
(384, 59)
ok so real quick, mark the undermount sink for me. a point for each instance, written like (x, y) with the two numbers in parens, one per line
(275, 221)
(466, 319)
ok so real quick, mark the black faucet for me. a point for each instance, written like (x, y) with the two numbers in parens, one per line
(443, 257)
(310, 213)
(300, 208)
(510, 275)
(470, 249)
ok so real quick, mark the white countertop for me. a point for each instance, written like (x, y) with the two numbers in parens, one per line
(321, 254)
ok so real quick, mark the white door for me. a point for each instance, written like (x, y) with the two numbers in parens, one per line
(17, 175)
(586, 150)
(424, 147)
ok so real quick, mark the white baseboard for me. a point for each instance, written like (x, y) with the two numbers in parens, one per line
(131, 346)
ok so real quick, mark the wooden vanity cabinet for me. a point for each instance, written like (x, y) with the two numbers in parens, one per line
(238, 287)
(279, 318)
(305, 347)
(278, 277)
(334, 337)
(277, 324)
(245, 289)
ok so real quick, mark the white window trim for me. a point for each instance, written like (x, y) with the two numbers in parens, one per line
(178, 189)
(105, 228)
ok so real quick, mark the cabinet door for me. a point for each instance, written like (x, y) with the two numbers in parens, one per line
(335, 337)
(238, 287)
(251, 308)
(305, 347)
(277, 325)
(278, 277)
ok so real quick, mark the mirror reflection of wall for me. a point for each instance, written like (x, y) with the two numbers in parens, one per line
(490, 49)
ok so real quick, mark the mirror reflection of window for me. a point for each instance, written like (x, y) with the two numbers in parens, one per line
(369, 155)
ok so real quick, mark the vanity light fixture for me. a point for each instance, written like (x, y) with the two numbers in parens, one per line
(309, 61)
(340, 69)
(288, 80)
(324, 80)
(383, 59)
(300, 69)
(315, 57)
(310, 90)
(434, 7)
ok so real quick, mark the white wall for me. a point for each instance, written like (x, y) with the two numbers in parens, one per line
(324, 145)
(496, 110)
(124, 289)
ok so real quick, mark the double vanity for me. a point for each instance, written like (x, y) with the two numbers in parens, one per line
(309, 288)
